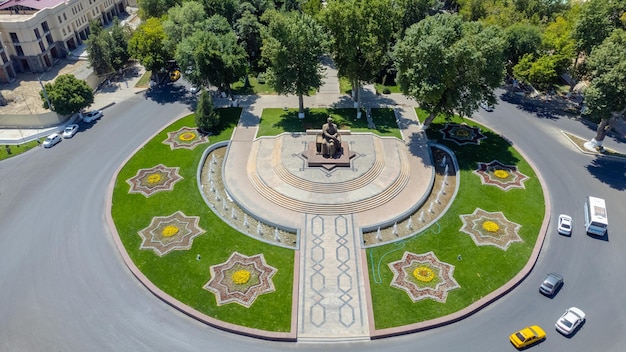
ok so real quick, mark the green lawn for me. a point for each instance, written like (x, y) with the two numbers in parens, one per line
(275, 121)
(482, 269)
(179, 273)
(143, 81)
(7, 151)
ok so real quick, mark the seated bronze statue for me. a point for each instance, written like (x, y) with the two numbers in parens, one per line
(332, 139)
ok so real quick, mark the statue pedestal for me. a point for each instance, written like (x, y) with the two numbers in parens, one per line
(342, 159)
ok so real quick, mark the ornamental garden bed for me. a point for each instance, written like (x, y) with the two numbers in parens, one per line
(483, 241)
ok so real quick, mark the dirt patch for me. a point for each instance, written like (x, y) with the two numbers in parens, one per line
(22, 95)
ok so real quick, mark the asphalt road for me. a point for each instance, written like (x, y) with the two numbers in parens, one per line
(63, 286)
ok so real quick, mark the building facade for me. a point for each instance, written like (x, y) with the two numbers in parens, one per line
(36, 33)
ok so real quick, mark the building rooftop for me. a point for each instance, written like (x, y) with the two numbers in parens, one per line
(21, 5)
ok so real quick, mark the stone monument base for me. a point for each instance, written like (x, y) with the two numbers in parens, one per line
(315, 159)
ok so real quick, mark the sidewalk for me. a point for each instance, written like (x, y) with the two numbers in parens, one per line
(103, 98)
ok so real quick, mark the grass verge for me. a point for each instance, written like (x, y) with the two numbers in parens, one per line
(275, 121)
(7, 151)
(481, 269)
(179, 273)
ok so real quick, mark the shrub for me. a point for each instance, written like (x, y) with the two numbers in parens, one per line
(261, 78)
(206, 118)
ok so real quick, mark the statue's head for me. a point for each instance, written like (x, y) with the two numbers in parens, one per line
(329, 119)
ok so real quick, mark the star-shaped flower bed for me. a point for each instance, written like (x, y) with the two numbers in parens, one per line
(153, 180)
(497, 174)
(462, 134)
(490, 229)
(186, 137)
(241, 279)
(423, 276)
(174, 232)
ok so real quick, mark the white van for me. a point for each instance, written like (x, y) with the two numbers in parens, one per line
(596, 220)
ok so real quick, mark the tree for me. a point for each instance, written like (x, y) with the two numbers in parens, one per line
(541, 72)
(449, 66)
(155, 8)
(293, 45)
(248, 30)
(361, 36)
(67, 94)
(596, 21)
(521, 39)
(205, 116)
(120, 35)
(214, 55)
(413, 11)
(98, 48)
(182, 21)
(606, 95)
(147, 45)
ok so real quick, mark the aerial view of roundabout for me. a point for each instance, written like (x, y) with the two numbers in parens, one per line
(254, 231)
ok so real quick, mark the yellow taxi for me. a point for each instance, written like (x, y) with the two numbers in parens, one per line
(174, 75)
(527, 336)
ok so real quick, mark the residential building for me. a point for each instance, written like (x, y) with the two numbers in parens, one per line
(36, 33)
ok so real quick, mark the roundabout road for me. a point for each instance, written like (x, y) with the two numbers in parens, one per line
(65, 288)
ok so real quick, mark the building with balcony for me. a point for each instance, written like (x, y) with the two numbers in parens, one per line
(36, 33)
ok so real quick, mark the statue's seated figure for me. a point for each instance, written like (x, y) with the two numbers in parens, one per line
(331, 143)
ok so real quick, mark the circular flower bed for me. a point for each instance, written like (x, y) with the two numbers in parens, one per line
(241, 277)
(187, 136)
(490, 226)
(501, 173)
(424, 274)
(169, 231)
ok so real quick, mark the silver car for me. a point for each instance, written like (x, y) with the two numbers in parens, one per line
(570, 321)
(551, 284)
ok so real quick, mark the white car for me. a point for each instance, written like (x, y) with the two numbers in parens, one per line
(70, 130)
(194, 90)
(570, 321)
(92, 116)
(51, 140)
(486, 106)
(565, 225)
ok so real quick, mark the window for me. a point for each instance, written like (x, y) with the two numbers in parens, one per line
(60, 20)
(42, 47)
(14, 37)
(5, 59)
(64, 16)
(49, 38)
(37, 33)
(44, 26)
(19, 50)
(63, 29)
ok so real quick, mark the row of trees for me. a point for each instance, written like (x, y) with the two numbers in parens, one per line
(448, 63)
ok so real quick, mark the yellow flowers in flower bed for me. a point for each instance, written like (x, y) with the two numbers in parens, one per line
(501, 173)
(154, 178)
(424, 274)
(187, 136)
(490, 226)
(169, 231)
(241, 277)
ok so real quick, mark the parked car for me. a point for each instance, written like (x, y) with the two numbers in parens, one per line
(570, 321)
(194, 90)
(551, 284)
(529, 335)
(70, 130)
(92, 116)
(51, 140)
(565, 225)
(486, 106)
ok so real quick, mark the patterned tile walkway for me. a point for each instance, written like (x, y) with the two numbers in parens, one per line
(332, 301)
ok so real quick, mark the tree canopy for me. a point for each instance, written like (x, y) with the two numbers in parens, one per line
(147, 45)
(293, 44)
(67, 94)
(449, 66)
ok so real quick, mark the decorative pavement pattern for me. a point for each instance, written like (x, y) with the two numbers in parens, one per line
(186, 137)
(168, 233)
(241, 279)
(423, 276)
(332, 299)
(498, 174)
(156, 179)
(462, 134)
(490, 229)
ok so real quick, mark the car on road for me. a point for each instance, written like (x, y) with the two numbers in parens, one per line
(565, 225)
(529, 335)
(92, 116)
(551, 284)
(570, 321)
(70, 130)
(194, 90)
(51, 140)
(486, 106)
